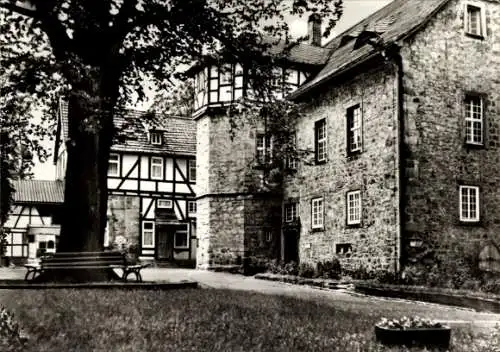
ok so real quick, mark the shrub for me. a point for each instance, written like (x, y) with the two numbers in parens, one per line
(491, 286)
(360, 273)
(11, 334)
(387, 277)
(306, 270)
(291, 268)
(329, 269)
(274, 267)
(254, 265)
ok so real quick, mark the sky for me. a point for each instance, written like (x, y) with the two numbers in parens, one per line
(354, 11)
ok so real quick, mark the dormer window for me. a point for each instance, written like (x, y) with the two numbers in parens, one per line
(156, 138)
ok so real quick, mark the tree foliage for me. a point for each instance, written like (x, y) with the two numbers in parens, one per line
(100, 54)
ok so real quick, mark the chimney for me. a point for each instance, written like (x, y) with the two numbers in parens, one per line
(314, 29)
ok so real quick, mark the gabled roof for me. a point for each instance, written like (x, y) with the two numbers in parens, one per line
(178, 133)
(38, 191)
(393, 22)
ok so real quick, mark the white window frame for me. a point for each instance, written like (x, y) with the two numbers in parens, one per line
(320, 138)
(474, 114)
(482, 19)
(355, 129)
(164, 204)
(152, 231)
(191, 167)
(354, 207)
(317, 213)
(115, 162)
(465, 203)
(176, 246)
(293, 214)
(191, 209)
(156, 138)
(264, 149)
(155, 165)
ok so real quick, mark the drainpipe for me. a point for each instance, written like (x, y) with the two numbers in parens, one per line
(393, 53)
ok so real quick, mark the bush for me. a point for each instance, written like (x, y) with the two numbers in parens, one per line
(274, 267)
(329, 269)
(360, 273)
(291, 268)
(11, 335)
(254, 265)
(306, 270)
(491, 286)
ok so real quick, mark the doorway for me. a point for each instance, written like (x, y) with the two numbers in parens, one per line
(291, 245)
(165, 242)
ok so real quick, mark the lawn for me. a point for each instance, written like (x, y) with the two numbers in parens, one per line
(201, 320)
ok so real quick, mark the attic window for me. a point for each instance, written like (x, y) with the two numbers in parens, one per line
(475, 20)
(156, 138)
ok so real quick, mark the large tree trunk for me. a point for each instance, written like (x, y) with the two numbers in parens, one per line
(90, 133)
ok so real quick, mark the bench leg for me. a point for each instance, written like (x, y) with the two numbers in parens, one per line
(33, 275)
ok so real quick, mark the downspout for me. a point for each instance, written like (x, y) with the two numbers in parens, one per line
(393, 53)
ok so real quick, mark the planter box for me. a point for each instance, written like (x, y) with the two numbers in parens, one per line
(429, 337)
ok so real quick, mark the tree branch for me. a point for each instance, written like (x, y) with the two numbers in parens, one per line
(22, 8)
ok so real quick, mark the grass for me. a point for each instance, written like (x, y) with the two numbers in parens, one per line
(203, 320)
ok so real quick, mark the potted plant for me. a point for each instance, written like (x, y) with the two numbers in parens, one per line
(413, 331)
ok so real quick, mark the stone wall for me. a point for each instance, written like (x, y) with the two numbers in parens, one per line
(234, 211)
(441, 64)
(373, 172)
(123, 221)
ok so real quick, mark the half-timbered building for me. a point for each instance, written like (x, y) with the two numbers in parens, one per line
(151, 179)
(33, 224)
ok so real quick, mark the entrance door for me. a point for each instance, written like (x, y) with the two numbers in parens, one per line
(291, 246)
(165, 242)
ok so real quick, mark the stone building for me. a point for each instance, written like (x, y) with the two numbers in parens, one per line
(151, 179)
(402, 117)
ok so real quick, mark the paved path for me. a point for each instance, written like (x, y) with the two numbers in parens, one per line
(339, 298)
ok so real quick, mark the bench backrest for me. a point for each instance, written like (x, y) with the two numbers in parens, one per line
(82, 260)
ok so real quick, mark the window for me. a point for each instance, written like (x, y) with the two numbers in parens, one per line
(148, 234)
(354, 129)
(317, 213)
(164, 203)
(475, 20)
(269, 236)
(320, 141)
(354, 208)
(156, 138)
(192, 170)
(226, 74)
(264, 146)
(114, 165)
(469, 203)
(473, 120)
(291, 212)
(181, 239)
(291, 158)
(192, 207)
(156, 168)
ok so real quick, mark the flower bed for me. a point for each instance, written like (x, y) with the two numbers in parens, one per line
(412, 332)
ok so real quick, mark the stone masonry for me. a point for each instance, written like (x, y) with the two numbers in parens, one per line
(234, 217)
(374, 242)
(123, 221)
(442, 65)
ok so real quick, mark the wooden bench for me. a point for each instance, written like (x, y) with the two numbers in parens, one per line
(86, 261)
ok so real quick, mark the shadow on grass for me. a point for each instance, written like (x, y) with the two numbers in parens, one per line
(198, 320)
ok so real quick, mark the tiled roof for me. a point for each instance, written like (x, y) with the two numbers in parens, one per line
(38, 191)
(178, 133)
(393, 22)
(301, 53)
